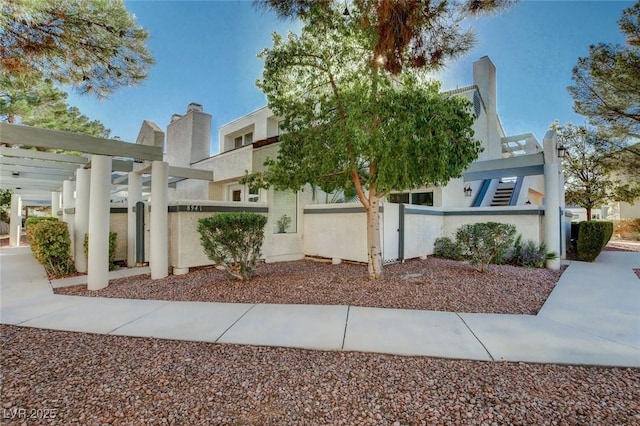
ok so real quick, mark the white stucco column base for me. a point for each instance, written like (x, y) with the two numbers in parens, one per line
(552, 193)
(15, 221)
(68, 204)
(99, 210)
(83, 191)
(180, 271)
(134, 195)
(159, 238)
(55, 203)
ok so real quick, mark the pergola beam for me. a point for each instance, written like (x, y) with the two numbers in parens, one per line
(27, 162)
(39, 155)
(13, 134)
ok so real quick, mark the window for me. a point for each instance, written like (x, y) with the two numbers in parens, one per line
(246, 139)
(399, 198)
(422, 198)
(254, 195)
(236, 195)
(417, 198)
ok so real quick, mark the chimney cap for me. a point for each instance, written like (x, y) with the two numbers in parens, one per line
(194, 107)
(175, 117)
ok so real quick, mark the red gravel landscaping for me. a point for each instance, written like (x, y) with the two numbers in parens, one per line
(431, 284)
(86, 379)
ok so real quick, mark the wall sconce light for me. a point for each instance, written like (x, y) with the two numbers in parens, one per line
(468, 191)
(562, 151)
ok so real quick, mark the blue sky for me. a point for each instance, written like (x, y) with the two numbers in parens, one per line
(205, 52)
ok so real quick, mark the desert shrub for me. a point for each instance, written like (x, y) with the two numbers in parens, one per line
(446, 248)
(113, 236)
(534, 255)
(35, 220)
(51, 246)
(483, 243)
(627, 229)
(592, 238)
(233, 240)
(528, 254)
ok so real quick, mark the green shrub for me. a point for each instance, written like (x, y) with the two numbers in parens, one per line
(37, 219)
(51, 246)
(484, 243)
(112, 249)
(233, 240)
(592, 238)
(446, 248)
(528, 254)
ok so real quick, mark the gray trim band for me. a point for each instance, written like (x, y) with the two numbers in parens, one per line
(215, 209)
(475, 213)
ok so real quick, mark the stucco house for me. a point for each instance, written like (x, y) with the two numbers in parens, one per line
(327, 225)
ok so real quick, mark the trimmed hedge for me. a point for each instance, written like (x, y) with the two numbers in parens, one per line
(233, 240)
(32, 220)
(592, 238)
(51, 246)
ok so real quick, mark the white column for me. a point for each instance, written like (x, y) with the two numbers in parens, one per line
(68, 203)
(134, 195)
(83, 190)
(55, 203)
(15, 221)
(99, 206)
(159, 247)
(552, 232)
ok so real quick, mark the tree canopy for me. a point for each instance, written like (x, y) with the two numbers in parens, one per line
(606, 84)
(413, 33)
(348, 122)
(94, 46)
(590, 175)
(35, 101)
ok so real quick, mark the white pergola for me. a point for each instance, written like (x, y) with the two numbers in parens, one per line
(43, 178)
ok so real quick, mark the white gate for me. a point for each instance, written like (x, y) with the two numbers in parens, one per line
(391, 233)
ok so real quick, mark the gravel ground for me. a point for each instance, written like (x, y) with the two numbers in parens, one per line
(432, 284)
(95, 379)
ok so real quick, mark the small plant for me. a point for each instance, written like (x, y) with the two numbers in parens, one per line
(533, 255)
(233, 240)
(484, 243)
(283, 223)
(113, 244)
(446, 248)
(51, 246)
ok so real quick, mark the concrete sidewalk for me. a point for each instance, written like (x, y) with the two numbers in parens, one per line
(592, 317)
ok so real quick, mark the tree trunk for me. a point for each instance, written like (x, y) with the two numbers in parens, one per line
(373, 238)
(588, 213)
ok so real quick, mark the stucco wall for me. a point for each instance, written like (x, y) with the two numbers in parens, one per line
(420, 231)
(527, 220)
(185, 249)
(336, 231)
